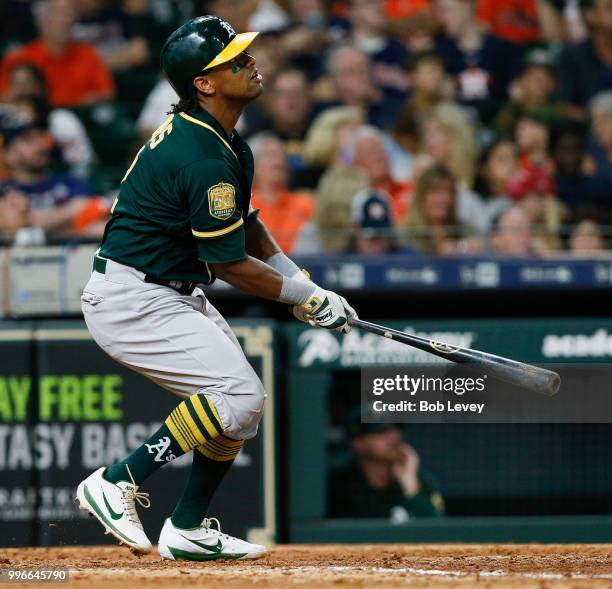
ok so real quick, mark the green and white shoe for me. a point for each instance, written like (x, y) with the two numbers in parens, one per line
(204, 543)
(114, 507)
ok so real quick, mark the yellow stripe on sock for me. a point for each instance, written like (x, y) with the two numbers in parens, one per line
(213, 456)
(228, 442)
(184, 428)
(221, 448)
(185, 447)
(214, 410)
(193, 426)
(199, 409)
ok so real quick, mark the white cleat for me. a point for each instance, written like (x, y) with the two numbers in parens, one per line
(114, 507)
(204, 543)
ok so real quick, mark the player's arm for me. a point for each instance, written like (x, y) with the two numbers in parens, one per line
(259, 241)
(261, 244)
(219, 230)
(321, 308)
(252, 276)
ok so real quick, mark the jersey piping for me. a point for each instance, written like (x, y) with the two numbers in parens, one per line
(219, 232)
(207, 126)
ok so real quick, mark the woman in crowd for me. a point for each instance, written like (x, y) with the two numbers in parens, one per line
(432, 225)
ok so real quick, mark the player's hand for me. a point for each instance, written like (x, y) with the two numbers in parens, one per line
(406, 470)
(324, 309)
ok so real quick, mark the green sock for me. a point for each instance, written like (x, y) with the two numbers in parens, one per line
(160, 448)
(205, 477)
(193, 423)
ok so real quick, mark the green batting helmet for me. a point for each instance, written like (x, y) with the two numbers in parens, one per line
(198, 45)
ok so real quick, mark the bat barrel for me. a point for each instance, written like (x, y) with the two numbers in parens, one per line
(524, 375)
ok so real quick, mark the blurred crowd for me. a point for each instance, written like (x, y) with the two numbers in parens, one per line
(445, 127)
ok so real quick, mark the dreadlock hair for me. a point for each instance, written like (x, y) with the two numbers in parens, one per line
(188, 102)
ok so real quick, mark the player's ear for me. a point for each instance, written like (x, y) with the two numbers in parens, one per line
(205, 85)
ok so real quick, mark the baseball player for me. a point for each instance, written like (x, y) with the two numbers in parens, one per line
(182, 218)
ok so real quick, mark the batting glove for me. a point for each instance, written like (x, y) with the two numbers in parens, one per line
(324, 309)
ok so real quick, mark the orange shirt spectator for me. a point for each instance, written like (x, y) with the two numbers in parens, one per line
(283, 212)
(367, 152)
(400, 196)
(406, 9)
(285, 215)
(513, 20)
(75, 77)
(74, 72)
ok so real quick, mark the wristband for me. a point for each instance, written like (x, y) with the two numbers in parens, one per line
(281, 263)
(295, 291)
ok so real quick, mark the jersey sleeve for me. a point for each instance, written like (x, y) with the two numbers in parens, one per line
(215, 210)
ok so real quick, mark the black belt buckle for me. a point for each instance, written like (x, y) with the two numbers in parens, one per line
(183, 287)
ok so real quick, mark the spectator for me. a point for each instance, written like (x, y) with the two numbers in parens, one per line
(418, 31)
(512, 234)
(14, 214)
(327, 134)
(483, 65)
(534, 190)
(601, 146)
(112, 32)
(402, 145)
(384, 479)
(584, 68)
(288, 104)
(522, 21)
(532, 94)
(332, 229)
(496, 165)
(74, 72)
(430, 83)
(430, 86)
(27, 88)
(368, 32)
(350, 83)
(532, 137)
(288, 109)
(568, 150)
(399, 9)
(364, 148)
(586, 239)
(307, 37)
(56, 200)
(449, 138)
(432, 225)
(373, 224)
(284, 212)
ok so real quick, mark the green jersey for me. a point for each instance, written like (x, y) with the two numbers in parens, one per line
(183, 202)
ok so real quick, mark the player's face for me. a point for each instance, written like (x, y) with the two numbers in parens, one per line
(30, 151)
(382, 446)
(237, 79)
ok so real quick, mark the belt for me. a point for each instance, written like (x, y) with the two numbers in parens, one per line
(181, 286)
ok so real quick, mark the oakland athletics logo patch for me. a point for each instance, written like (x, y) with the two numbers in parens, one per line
(222, 200)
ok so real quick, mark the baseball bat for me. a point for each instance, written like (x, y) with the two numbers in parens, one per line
(524, 375)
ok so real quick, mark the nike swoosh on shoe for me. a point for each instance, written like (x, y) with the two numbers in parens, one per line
(112, 512)
(218, 547)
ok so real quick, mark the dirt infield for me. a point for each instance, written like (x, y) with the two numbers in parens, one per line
(346, 566)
